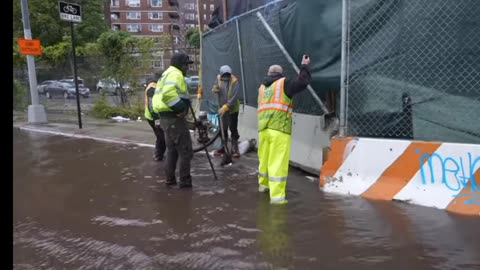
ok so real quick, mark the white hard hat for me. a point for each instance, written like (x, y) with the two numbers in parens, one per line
(225, 69)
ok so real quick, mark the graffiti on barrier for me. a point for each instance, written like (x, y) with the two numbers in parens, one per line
(456, 173)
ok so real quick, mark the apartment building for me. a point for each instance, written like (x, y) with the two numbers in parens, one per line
(155, 18)
(205, 9)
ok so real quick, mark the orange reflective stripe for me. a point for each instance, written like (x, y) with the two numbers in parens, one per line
(278, 89)
(261, 91)
(280, 110)
(152, 84)
(275, 107)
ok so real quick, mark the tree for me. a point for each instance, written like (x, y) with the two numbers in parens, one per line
(193, 37)
(126, 57)
(50, 29)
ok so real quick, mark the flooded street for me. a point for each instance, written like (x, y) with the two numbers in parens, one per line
(83, 204)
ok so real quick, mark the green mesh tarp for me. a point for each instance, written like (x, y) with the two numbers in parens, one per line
(424, 51)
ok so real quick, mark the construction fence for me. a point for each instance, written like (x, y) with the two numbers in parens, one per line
(410, 69)
(413, 70)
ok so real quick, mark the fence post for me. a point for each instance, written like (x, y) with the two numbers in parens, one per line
(241, 62)
(344, 68)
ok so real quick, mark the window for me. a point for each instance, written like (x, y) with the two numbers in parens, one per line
(155, 16)
(132, 3)
(134, 15)
(204, 6)
(156, 3)
(212, 7)
(156, 27)
(204, 17)
(190, 6)
(134, 28)
(115, 3)
(115, 27)
(157, 64)
(114, 16)
(190, 16)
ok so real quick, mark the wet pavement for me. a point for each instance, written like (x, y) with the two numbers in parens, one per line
(83, 204)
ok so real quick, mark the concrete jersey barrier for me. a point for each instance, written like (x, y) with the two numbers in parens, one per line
(433, 174)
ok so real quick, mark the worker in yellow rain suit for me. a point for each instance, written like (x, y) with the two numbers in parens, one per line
(275, 108)
(171, 103)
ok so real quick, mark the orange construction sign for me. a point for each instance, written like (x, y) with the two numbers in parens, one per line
(30, 46)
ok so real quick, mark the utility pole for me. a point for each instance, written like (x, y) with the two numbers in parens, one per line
(36, 111)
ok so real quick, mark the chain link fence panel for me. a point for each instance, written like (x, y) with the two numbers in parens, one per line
(414, 70)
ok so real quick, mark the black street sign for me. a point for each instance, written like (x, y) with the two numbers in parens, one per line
(70, 12)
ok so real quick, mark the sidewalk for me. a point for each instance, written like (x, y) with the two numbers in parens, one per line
(66, 124)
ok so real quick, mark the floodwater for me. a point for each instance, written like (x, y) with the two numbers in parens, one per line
(83, 204)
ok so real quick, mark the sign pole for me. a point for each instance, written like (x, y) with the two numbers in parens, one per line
(36, 111)
(73, 13)
(75, 77)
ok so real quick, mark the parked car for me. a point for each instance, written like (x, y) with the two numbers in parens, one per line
(41, 86)
(192, 83)
(80, 81)
(65, 89)
(109, 86)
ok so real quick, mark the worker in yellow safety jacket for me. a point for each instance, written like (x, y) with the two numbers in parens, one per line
(153, 120)
(171, 103)
(275, 108)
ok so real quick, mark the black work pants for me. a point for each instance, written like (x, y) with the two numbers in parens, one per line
(179, 148)
(230, 121)
(160, 146)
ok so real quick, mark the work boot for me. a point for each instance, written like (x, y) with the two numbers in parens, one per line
(186, 182)
(219, 153)
(157, 158)
(171, 182)
(235, 152)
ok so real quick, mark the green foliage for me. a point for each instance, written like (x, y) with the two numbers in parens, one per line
(126, 57)
(102, 109)
(18, 59)
(20, 98)
(47, 26)
(193, 37)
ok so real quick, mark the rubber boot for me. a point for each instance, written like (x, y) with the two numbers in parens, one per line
(186, 182)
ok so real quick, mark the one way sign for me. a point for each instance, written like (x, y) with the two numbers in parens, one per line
(70, 12)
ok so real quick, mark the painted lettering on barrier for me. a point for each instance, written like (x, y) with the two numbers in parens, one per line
(454, 172)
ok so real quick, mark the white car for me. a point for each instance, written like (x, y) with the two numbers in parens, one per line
(109, 86)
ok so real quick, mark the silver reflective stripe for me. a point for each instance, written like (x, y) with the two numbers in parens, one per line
(183, 96)
(158, 90)
(174, 83)
(275, 200)
(267, 106)
(278, 90)
(263, 174)
(173, 102)
(277, 179)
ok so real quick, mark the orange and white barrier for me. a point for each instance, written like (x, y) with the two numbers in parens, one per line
(441, 175)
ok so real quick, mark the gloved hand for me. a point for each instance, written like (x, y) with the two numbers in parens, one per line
(216, 89)
(200, 93)
(223, 109)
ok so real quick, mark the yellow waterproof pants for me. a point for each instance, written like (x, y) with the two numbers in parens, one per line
(274, 157)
